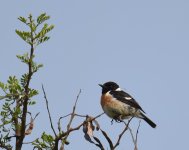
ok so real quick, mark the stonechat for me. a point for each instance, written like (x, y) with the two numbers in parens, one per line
(119, 105)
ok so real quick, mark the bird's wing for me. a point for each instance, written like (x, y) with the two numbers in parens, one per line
(126, 98)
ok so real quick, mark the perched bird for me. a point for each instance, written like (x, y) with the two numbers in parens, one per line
(119, 105)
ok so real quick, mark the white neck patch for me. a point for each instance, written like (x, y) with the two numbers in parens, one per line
(118, 89)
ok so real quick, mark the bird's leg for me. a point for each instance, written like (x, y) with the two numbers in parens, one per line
(118, 118)
(112, 121)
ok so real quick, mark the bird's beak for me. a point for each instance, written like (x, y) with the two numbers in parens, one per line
(101, 85)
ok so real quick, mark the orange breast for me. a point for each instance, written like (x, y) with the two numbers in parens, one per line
(113, 107)
(106, 100)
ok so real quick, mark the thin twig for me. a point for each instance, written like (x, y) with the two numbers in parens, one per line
(122, 133)
(68, 126)
(131, 132)
(47, 105)
(29, 142)
(34, 117)
(78, 115)
(73, 111)
(72, 115)
(136, 138)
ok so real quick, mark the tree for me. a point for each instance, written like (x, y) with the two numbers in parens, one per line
(18, 98)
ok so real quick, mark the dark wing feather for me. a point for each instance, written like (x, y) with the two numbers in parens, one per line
(126, 98)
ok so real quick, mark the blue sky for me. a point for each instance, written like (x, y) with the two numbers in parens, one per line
(141, 45)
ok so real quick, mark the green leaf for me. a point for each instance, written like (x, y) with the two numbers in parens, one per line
(41, 36)
(32, 102)
(22, 19)
(39, 66)
(32, 92)
(24, 79)
(47, 137)
(2, 97)
(2, 85)
(44, 39)
(26, 36)
(33, 27)
(17, 111)
(43, 17)
(24, 58)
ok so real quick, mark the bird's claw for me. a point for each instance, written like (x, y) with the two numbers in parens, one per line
(117, 119)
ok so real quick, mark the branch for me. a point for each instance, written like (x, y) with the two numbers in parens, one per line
(20, 139)
(89, 134)
(78, 115)
(122, 133)
(71, 118)
(47, 105)
(79, 126)
(133, 138)
(136, 136)
(73, 111)
(65, 134)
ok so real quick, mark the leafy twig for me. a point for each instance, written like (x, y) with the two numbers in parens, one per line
(20, 139)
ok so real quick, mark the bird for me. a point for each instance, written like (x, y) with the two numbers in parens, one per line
(119, 105)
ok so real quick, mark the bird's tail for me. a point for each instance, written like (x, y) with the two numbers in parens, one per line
(150, 122)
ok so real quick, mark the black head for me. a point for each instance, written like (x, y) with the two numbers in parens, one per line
(109, 86)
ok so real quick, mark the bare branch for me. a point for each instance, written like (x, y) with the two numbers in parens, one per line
(33, 118)
(78, 115)
(73, 111)
(136, 136)
(47, 105)
(29, 142)
(122, 133)
(78, 127)
(132, 136)
(72, 117)
(65, 134)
